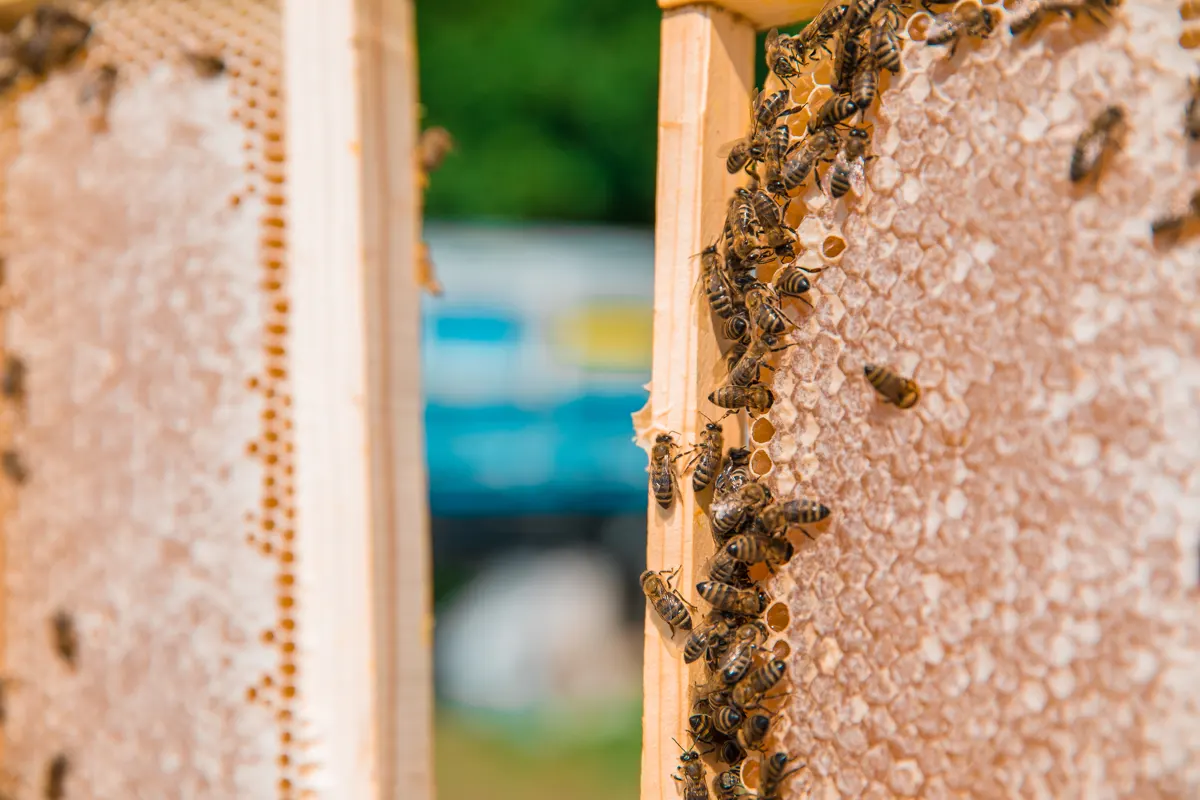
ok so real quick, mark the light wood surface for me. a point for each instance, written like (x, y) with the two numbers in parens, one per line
(361, 488)
(762, 14)
(706, 78)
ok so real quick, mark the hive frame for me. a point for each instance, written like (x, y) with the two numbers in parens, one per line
(698, 57)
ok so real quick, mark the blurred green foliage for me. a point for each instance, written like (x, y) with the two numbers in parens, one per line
(553, 104)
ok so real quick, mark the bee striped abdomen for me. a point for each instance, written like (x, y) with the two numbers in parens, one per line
(901, 392)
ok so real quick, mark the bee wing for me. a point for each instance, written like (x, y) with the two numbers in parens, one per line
(724, 150)
(772, 37)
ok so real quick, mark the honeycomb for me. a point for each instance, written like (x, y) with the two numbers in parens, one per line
(1005, 603)
(147, 293)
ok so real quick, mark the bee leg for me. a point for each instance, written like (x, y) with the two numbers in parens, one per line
(809, 535)
(683, 600)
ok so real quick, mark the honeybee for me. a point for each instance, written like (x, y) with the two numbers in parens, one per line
(751, 548)
(777, 147)
(796, 169)
(770, 107)
(694, 787)
(1101, 135)
(860, 12)
(743, 602)
(710, 637)
(734, 664)
(885, 45)
(744, 153)
(730, 512)
(775, 518)
(1031, 13)
(725, 569)
(662, 469)
(727, 719)
(668, 602)
(708, 460)
(12, 383)
(718, 290)
(14, 466)
(701, 723)
(1191, 113)
(755, 730)
(745, 371)
(65, 638)
(756, 398)
(820, 30)
(845, 63)
(779, 55)
(765, 312)
(864, 84)
(206, 64)
(755, 685)
(853, 151)
(731, 752)
(780, 238)
(49, 38)
(901, 392)
(739, 224)
(737, 328)
(56, 777)
(772, 773)
(792, 282)
(98, 92)
(728, 785)
(735, 473)
(1172, 224)
(832, 111)
(953, 26)
(433, 145)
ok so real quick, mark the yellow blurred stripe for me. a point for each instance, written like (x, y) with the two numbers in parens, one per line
(606, 336)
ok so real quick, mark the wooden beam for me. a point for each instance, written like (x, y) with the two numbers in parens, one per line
(762, 14)
(360, 483)
(707, 73)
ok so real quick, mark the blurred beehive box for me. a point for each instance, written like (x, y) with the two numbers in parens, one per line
(213, 297)
(1004, 603)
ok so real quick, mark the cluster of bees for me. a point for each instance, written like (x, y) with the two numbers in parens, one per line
(730, 712)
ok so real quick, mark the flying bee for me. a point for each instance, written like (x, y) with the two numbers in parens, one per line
(755, 730)
(662, 469)
(65, 638)
(779, 55)
(756, 397)
(853, 151)
(56, 777)
(885, 45)
(735, 473)
(1101, 136)
(953, 26)
(49, 38)
(708, 460)
(668, 602)
(744, 602)
(772, 773)
(12, 382)
(14, 466)
(433, 145)
(770, 107)
(207, 65)
(751, 548)
(728, 785)
(776, 517)
(795, 169)
(900, 392)
(1191, 113)
(834, 110)
(780, 238)
(864, 84)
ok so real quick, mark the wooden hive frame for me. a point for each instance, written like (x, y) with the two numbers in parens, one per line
(323, 665)
(707, 82)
